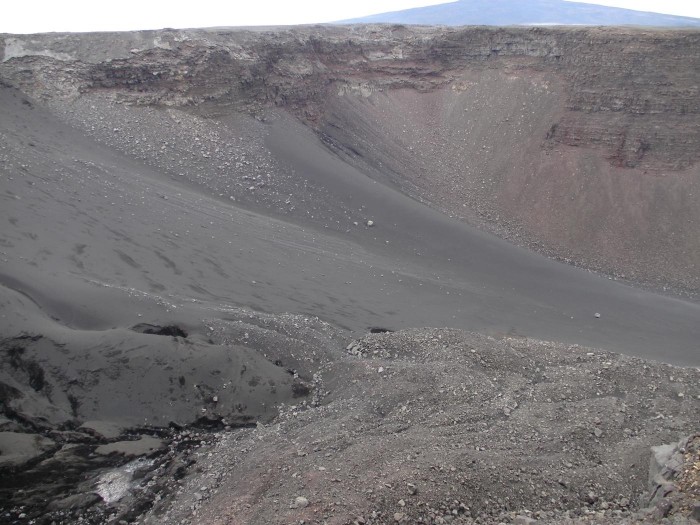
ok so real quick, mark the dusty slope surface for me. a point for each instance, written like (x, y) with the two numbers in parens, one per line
(489, 149)
(103, 224)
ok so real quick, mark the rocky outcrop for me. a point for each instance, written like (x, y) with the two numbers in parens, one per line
(441, 426)
(674, 478)
(626, 74)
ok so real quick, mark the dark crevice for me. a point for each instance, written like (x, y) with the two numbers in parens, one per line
(153, 329)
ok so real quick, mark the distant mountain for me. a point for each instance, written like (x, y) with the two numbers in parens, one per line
(525, 12)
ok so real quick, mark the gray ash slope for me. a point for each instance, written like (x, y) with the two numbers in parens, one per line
(142, 189)
(201, 120)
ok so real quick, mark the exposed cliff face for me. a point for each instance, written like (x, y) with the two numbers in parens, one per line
(582, 142)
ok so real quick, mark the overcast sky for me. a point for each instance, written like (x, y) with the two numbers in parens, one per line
(33, 16)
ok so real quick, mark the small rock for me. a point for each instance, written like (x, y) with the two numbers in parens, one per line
(402, 503)
(523, 520)
(597, 432)
(597, 315)
(663, 508)
(398, 516)
(370, 223)
(301, 502)
(696, 512)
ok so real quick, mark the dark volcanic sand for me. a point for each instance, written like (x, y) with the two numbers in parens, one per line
(95, 239)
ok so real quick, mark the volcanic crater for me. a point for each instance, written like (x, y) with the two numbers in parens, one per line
(354, 274)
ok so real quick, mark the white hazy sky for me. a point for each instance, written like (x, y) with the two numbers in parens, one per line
(34, 16)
